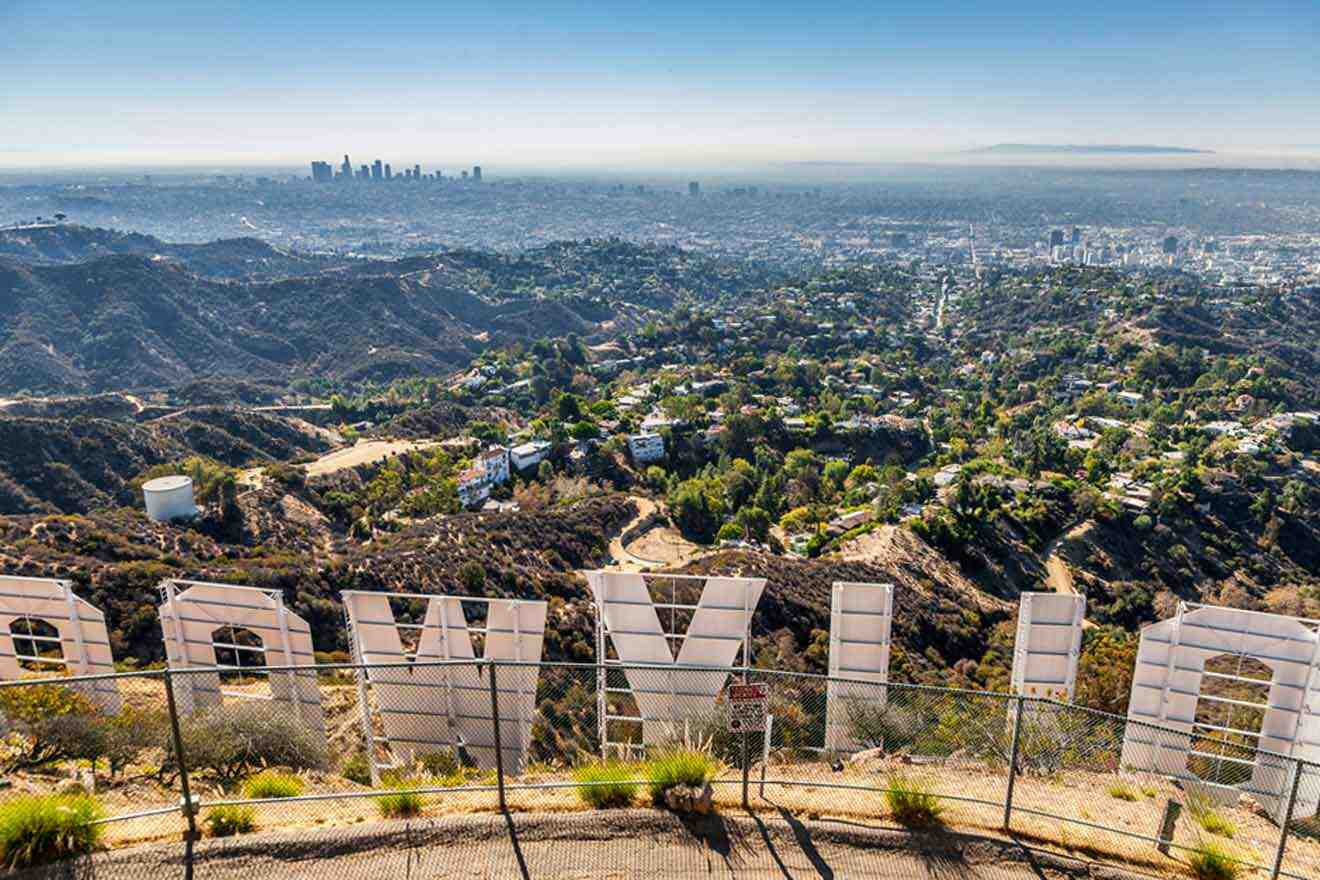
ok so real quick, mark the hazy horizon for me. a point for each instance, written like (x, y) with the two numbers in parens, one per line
(143, 83)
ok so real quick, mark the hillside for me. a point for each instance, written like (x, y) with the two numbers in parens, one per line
(58, 244)
(80, 464)
(129, 321)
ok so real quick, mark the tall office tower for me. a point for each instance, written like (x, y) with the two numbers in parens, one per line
(417, 172)
(1076, 235)
(388, 172)
(1171, 244)
(347, 168)
(377, 170)
(694, 188)
(476, 173)
(364, 173)
(322, 172)
(465, 175)
(1056, 237)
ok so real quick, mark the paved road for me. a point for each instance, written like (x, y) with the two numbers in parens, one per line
(609, 844)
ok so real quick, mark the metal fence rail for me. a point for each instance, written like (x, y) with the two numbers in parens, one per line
(442, 739)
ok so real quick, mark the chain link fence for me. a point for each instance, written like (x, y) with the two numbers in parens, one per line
(202, 771)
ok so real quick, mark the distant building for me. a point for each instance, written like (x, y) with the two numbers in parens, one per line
(377, 171)
(529, 454)
(646, 447)
(1171, 244)
(322, 172)
(473, 488)
(476, 173)
(694, 188)
(495, 464)
(1056, 238)
(417, 172)
(389, 173)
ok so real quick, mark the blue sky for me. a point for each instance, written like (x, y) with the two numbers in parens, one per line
(679, 83)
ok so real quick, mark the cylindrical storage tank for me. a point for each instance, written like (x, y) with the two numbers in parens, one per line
(169, 498)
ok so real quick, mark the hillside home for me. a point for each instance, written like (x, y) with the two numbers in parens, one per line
(529, 454)
(646, 447)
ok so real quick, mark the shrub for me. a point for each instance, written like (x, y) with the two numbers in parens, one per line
(229, 820)
(40, 829)
(441, 765)
(400, 804)
(607, 784)
(911, 803)
(55, 723)
(895, 727)
(1210, 861)
(680, 765)
(127, 734)
(272, 784)
(1121, 791)
(1203, 811)
(356, 768)
(231, 741)
(1215, 823)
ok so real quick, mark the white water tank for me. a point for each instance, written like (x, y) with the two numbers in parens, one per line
(169, 498)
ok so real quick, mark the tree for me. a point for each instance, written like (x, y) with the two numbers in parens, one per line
(472, 575)
(690, 508)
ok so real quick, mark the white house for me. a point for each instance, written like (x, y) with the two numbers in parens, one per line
(473, 487)
(646, 447)
(495, 464)
(529, 454)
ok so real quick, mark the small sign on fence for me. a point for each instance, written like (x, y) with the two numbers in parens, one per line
(747, 708)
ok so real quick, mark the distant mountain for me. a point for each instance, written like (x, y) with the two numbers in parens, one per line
(1091, 149)
(135, 321)
(59, 244)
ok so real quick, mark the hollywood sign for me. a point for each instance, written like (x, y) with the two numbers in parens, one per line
(223, 628)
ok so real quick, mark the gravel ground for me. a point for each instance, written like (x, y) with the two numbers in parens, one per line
(626, 843)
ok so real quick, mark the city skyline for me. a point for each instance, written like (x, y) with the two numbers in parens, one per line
(242, 83)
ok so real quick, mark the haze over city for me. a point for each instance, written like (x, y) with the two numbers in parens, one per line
(543, 85)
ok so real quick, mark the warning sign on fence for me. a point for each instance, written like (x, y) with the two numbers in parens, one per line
(747, 708)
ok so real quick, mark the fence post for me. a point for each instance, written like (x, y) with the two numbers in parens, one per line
(1287, 816)
(189, 815)
(1013, 759)
(499, 749)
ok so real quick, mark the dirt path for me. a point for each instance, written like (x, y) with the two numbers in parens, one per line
(364, 452)
(622, 558)
(1058, 577)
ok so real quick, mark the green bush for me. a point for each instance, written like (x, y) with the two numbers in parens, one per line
(1203, 811)
(1210, 861)
(356, 768)
(54, 723)
(679, 765)
(229, 820)
(911, 803)
(400, 804)
(230, 741)
(1121, 791)
(607, 784)
(40, 829)
(441, 765)
(272, 784)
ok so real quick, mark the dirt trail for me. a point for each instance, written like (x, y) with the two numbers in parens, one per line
(1058, 577)
(364, 452)
(622, 558)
